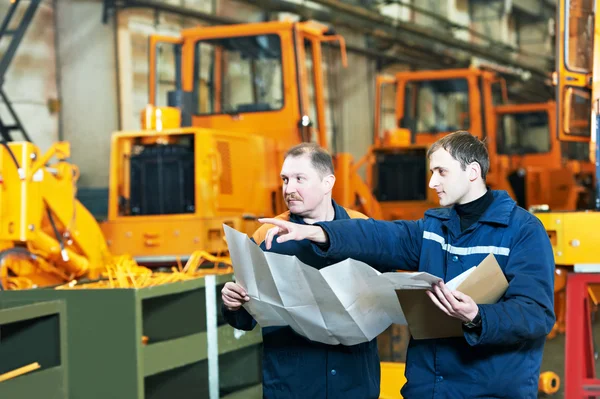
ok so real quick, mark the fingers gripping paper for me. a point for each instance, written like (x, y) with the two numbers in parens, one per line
(347, 303)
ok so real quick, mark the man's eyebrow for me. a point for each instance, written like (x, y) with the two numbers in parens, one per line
(437, 168)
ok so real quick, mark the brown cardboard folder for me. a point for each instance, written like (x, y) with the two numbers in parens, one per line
(486, 285)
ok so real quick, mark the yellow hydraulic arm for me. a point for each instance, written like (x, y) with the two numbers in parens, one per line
(47, 237)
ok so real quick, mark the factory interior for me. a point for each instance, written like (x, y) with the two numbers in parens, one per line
(133, 131)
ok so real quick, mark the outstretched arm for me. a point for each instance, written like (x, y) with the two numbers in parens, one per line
(384, 245)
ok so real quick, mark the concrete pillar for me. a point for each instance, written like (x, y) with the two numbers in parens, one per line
(88, 86)
(355, 101)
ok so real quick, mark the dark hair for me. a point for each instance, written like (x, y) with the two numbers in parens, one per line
(465, 148)
(319, 157)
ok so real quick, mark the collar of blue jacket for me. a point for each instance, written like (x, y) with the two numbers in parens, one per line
(340, 214)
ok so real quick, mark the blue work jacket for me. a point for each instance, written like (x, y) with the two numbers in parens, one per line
(503, 359)
(294, 366)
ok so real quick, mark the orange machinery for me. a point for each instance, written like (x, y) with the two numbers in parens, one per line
(46, 236)
(238, 97)
(242, 95)
(541, 170)
(414, 109)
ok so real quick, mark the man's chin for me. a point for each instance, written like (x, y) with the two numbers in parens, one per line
(295, 207)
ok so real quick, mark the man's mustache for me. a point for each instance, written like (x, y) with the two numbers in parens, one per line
(293, 197)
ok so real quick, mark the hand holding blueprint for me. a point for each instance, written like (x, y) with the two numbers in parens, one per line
(347, 303)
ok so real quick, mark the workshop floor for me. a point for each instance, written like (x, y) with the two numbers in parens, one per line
(554, 360)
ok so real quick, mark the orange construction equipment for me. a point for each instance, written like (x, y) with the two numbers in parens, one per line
(414, 109)
(532, 160)
(46, 236)
(241, 96)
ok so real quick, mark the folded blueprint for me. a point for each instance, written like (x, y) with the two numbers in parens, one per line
(346, 303)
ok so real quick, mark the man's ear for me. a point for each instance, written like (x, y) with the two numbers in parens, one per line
(329, 182)
(474, 171)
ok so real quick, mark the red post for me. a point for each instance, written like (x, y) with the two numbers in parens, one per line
(580, 371)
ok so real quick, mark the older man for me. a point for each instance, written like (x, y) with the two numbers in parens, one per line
(293, 366)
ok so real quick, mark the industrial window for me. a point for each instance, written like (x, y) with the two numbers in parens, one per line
(523, 133)
(238, 75)
(310, 77)
(168, 71)
(576, 111)
(436, 106)
(498, 97)
(387, 115)
(576, 150)
(579, 35)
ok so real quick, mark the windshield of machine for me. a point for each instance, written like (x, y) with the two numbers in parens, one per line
(579, 36)
(238, 74)
(523, 133)
(436, 106)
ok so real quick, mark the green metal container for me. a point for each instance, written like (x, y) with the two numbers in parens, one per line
(28, 334)
(191, 352)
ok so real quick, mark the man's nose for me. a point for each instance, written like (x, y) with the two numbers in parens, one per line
(290, 188)
(433, 181)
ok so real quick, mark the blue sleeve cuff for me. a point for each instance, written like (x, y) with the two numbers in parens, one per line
(324, 250)
(475, 337)
(240, 319)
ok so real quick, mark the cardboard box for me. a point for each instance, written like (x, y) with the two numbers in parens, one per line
(486, 284)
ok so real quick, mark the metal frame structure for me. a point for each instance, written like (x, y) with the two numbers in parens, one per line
(16, 36)
(111, 7)
(416, 40)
